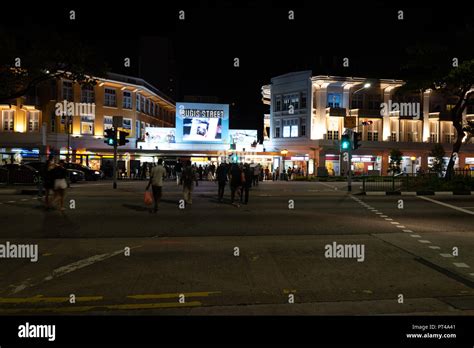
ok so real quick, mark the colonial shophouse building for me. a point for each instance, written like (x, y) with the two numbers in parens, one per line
(31, 124)
(306, 121)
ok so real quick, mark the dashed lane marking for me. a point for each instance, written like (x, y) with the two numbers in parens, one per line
(446, 255)
(460, 265)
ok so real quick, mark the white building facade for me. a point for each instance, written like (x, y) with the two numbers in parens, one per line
(306, 121)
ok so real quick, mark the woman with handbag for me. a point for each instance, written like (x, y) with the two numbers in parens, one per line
(59, 175)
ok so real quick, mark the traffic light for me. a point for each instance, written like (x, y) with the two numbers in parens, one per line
(357, 140)
(123, 138)
(345, 142)
(110, 137)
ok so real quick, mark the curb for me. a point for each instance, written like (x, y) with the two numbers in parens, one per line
(418, 193)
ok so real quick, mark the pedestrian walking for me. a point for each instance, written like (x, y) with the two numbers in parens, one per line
(246, 184)
(156, 182)
(59, 177)
(179, 170)
(188, 179)
(221, 177)
(48, 181)
(235, 182)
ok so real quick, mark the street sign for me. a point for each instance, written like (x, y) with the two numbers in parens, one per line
(117, 121)
(350, 122)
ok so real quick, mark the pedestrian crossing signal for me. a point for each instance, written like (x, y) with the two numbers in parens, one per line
(123, 138)
(110, 137)
(345, 142)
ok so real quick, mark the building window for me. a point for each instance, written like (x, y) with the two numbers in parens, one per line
(33, 121)
(68, 93)
(152, 108)
(137, 129)
(53, 121)
(108, 122)
(110, 97)
(146, 109)
(8, 120)
(448, 138)
(277, 132)
(127, 100)
(277, 103)
(137, 106)
(87, 94)
(142, 104)
(303, 127)
(433, 132)
(127, 124)
(87, 125)
(334, 100)
(286, 102)
(393, 136)
(374, 102)
(357, 101)
(332, 135)
(303, 100)
(290, 128)
(373, 136)
(295, 101)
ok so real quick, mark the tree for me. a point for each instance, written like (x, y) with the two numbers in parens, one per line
(28, 60)
(438, 161)
(431, 67)
(395, 161)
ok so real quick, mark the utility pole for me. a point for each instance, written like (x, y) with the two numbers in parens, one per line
(115, 160)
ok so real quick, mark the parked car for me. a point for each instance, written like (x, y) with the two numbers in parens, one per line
(22, 174)
(74, 175)
(90, 174)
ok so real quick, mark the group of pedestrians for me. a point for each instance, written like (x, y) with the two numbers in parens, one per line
(240, 177)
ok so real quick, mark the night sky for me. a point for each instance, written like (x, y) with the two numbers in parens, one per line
(195, 56)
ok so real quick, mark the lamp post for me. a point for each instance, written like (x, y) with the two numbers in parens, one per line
(351, 133)
(283, 153)
(413, 159)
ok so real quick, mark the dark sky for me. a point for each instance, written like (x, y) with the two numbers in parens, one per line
(197, 53)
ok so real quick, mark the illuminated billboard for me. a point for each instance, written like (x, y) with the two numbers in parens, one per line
(202, 123)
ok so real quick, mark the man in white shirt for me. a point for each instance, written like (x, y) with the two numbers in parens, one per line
(156, 181)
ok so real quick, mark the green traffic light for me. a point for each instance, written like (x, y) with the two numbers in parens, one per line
(345, 145)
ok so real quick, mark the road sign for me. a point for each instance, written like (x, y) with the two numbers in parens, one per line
(350, 122)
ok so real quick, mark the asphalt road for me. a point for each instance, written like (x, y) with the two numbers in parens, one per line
(268, 257)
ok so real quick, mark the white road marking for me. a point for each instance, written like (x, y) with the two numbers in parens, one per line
(408, 231)
(388, 219)
(379, 213)
(447, 205)
(424, 241)
(383, 216)
(394, 223)
(415, 235)
(24, 199)
(461, 265)
(401, 226)
(59, 272)
(434, 247)
(446, 255)
(11, 202)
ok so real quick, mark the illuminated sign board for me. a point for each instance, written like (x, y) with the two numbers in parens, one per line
(202, 123)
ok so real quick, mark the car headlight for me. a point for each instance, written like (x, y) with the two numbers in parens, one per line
(74, 173)
(96, 172)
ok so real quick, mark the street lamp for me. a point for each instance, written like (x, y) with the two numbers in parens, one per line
(283, 153)
(349, 171)
(413, 159)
